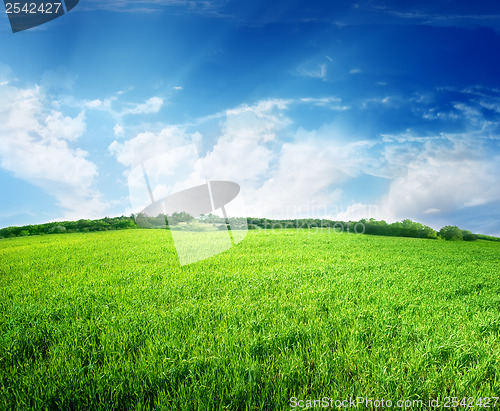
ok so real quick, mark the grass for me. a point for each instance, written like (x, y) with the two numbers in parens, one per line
(109, 321)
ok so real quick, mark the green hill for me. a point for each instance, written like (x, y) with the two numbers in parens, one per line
(109, 321)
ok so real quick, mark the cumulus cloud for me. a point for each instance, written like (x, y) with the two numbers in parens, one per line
(432, 179)
(283, 172)
(243, 149)
(60, 127)
(36, 148)
(301, 183)
(147, 145)
(441, 177)
(310, 170)
(289, 172)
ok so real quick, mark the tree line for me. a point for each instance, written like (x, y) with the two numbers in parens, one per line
(80, 226)
(405, 228)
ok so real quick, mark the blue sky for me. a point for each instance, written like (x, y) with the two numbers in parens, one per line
(333, 109)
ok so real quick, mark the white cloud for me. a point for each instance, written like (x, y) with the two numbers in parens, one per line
(152, 105)
(243, 150)
(278, 178)
(355, 71)
(333, 103)
(177, 88)
(120, 92)
(94, 103)
(118, 130)
(387, 100)
(283, 179)
(60, 127)
(318, 72)
(431, 179)
(301, 182)
(445, 176)
(204, 7)
(35, 148)
(286, 171)
(148, 144)
(310, 171)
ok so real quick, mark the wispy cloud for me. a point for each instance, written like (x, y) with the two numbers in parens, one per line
(204, 7)
(387, 100)
(150, 106)
(319, 72)
(427, 14)
(333, 103)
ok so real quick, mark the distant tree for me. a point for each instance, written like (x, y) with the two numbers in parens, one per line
(58, 229)
(451, 232)
(468, 236)
(194, 225)
(82, 224)
(375, 227)
(487, 237)
(428, 232)
(181, 217)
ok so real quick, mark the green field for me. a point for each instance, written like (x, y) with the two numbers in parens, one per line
(110, 321)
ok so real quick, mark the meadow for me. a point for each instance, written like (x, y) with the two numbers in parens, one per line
(110, 321)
